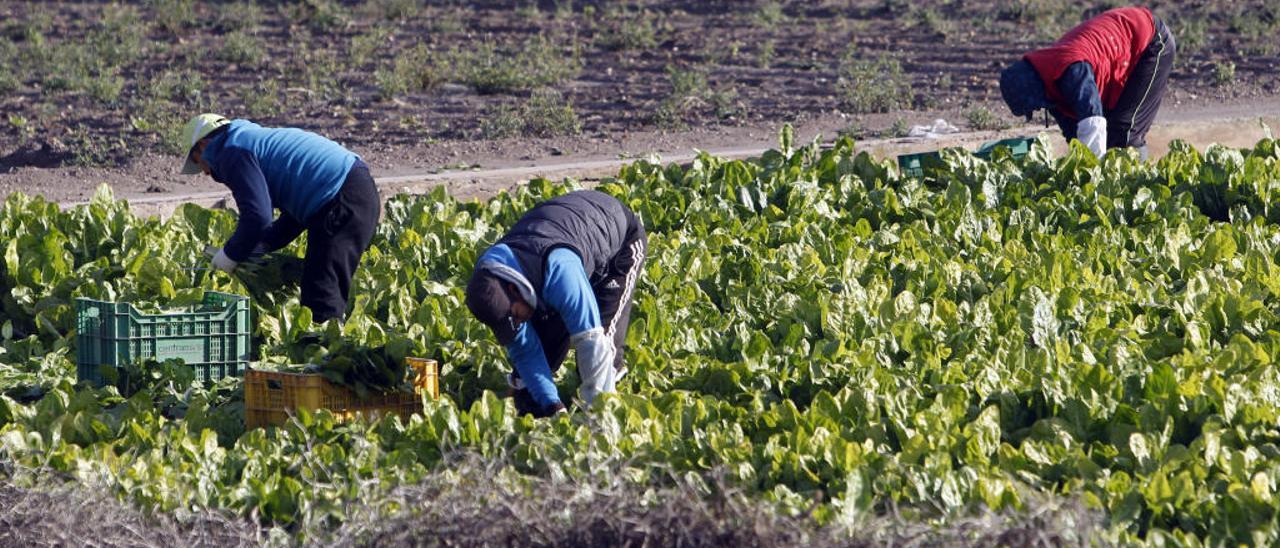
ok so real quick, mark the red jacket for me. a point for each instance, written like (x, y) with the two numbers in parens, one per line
(1111, 43)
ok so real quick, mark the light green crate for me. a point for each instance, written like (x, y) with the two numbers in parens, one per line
(212, 337)
(1018, 147)
(914, 165)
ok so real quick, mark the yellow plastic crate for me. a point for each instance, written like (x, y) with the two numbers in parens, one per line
(271, 397)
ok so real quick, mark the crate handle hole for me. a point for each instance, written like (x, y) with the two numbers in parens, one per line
(273, 384)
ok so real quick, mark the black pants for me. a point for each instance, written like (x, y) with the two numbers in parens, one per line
(613, 295)
(337, 236)
(1131, 118)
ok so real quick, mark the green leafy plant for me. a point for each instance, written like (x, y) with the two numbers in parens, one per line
(241, 48)
(934, 22)
(365, 46)
(173, 16)
(621, 30)
(814, 333)
(983, 119)
(418, 69)
(9, 82)
(94, 149)
(242, 15)
(320, 15)
(692, 95)
(769, 15)
(1224, 73)
(871, 85)
(854, 130)
(445, 21)
(899, 128)
(766, 53)
(105, 88)
(494, 68)
(264, 99)
(545, 114)
(1192, 34)
(394, 10)
(1042, 19)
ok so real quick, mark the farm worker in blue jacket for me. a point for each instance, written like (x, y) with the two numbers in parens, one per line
(562, 276)
(1103, 80)
(317, 185)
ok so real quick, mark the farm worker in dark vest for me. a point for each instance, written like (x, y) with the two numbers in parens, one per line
(562, 276)
(317, 185)
(1103, 80)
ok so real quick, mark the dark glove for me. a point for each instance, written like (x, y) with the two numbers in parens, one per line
(551, 410)
(524, 402)
(525, 405)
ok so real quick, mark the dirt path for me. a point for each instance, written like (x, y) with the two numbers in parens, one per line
(490, 169)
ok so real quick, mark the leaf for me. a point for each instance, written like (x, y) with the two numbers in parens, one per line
(983, 435)
(1141, 452)
(786, 140)
(1044, 322)
(1218, 246)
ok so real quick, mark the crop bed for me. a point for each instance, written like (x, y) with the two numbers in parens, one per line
(812, 330)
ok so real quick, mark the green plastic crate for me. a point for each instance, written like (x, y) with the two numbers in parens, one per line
(1018, 146)
(914, 165)
(212, 337)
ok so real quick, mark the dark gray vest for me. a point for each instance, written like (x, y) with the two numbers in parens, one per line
(591, 223)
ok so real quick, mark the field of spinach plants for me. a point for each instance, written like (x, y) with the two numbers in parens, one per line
(812, 329)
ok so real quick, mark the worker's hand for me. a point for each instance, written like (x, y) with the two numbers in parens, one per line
(525, 405)
(523, 401)
(222, 262)
(551, 411)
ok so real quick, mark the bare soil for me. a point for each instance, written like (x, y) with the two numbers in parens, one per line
(759, 64)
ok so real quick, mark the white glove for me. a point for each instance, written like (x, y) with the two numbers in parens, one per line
(1092, 131)
(595, 364)
(224, 263)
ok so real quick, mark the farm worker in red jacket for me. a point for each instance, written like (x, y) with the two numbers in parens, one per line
(1102, 81)
(317, 185)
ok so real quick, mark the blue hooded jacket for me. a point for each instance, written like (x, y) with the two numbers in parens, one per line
(295, 171)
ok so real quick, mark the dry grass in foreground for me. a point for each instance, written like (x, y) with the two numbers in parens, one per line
(484, 502)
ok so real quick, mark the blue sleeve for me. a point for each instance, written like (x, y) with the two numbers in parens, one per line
(567, 290)
(1069, 127)
(1080, 90)
(526, 353)
(239, 170)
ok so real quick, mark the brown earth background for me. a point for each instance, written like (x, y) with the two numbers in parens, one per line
(94, 92)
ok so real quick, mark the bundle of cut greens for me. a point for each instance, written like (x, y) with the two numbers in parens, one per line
(264, 275)
(367, 370)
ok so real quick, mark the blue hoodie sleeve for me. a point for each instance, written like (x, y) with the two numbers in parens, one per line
(1080, 91)
(239, 170)
(1068, 126)
(526, 353)
(567, 290)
